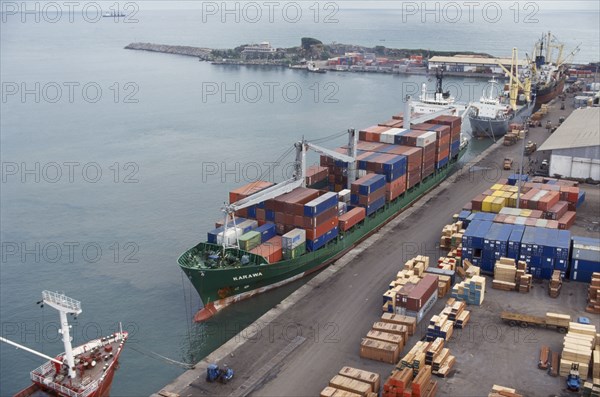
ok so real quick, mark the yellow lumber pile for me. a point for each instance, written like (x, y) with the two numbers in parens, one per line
(470, 269)
(577, 348)
(379, 351)
(364, 376)
(555, 284)
(447, 263)
(593, 298)
(501, 391)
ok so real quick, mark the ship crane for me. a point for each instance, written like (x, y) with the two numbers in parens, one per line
(571, 55)
(515, 83)
(296, 181)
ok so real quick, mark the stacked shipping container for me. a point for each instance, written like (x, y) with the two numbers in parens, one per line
(585, 258)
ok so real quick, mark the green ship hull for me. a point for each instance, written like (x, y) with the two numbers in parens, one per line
(221, 286)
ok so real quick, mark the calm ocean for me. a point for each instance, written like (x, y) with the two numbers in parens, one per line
(116, 161)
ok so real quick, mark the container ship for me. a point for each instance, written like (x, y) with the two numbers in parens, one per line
(272, 234)
(548, 76)
(492, 115)
(83, 371)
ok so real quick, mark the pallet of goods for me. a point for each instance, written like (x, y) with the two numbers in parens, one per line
(578, 347)
(472, 290)
(502, 391)
(409, 322)
(510, 275)
(403, 382)
(379, 350)
(351, 382)
(452, 235)
(555, 284)
(593, 299)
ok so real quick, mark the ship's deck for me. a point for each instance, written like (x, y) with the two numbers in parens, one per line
(93, 361)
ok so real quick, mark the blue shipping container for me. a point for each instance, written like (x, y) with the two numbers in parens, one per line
(320, 204)
(267, 232)
(375, 183)
(375, 205)
(313, 245)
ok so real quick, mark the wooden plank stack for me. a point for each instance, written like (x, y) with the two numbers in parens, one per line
(440, 327)
(379, 350)
(500, 391)
(409, 322)
(452, 235)
(353, 382)
(403, 382)
(510, 275)
(591, 389)
(448, 263)
(593, 298)
(555, 284)
(577, 348)
(472, 290)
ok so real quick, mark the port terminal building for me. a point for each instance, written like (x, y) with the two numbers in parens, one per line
(467, 64)
(575, 146)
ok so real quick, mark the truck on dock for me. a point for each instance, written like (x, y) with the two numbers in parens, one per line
(558, 321)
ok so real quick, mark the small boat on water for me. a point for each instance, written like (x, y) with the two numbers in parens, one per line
(113, 14)
(83, 371)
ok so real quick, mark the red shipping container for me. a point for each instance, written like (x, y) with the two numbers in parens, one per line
(393, 123)
(321, 229)
(248, 190)
(371, 134)
(548, 201)
(312, 222)
(399, 116)
(567, 220)
(552, 224)
(468, 207)
(415, 296)
(376, 195)
(395, 188)
(270, 250)
(558, 210)
(279, 217)
(261, 214)
(477, 202)
(536, 214)
(351, 218)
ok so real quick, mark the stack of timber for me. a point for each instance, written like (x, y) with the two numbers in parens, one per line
(409, 322)
(577, 348)
(555, 284)
(472, 290)
(452, 235)
(448, 263)
(385, 341)
(596, 365)
(379, 350)
(510, 275)
(591, 389)
(593, 298)
(429, 354)
(457, 312)
(404, 382)
(352, 382)
(545, 358)
(502, 391)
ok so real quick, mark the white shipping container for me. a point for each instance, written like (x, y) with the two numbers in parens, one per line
(293, 239)
(426, 138)
(230, 236)
(344, 195)
(389, 136)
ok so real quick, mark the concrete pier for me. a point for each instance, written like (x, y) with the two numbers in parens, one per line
(202, 53)
(296, 347)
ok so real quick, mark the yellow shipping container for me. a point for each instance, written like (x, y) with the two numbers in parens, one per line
(512, 201)
(525, 212)
(497, 193)
(498, 204)
(486, 206)
(497, 186)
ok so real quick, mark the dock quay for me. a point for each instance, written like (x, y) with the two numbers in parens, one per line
(296, 347)
(202, 53)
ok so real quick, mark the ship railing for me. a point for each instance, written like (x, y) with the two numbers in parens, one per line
(37, 376)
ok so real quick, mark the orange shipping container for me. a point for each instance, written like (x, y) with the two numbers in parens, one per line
(247, 190)
(312, 234)
(271, 250)
(395, 188)
(351, 218)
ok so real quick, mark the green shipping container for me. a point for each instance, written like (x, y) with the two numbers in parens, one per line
(294, 253)
(250, 240)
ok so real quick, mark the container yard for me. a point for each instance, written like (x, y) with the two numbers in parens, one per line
(427, 314)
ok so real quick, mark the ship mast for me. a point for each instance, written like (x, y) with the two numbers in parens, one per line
(64, 305)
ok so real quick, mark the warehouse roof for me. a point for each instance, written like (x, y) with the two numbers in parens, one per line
(475, 60)
(580, 129)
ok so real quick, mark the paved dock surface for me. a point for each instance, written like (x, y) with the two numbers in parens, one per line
(334, 310)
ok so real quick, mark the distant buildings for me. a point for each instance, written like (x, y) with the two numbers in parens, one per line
(259, 50)
(472, 64)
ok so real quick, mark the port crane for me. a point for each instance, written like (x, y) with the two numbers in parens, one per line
(297, 180)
